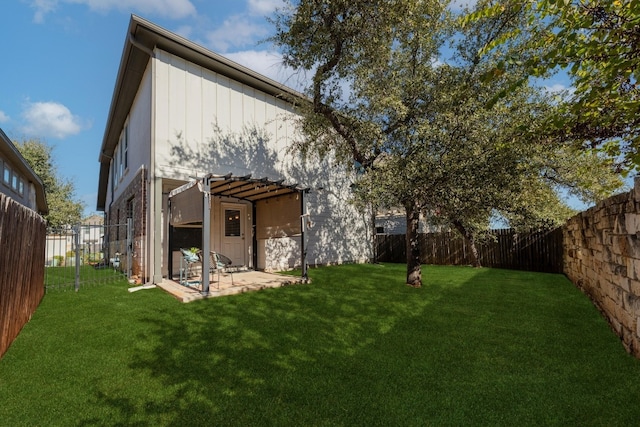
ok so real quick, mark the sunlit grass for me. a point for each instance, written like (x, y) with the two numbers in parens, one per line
(356, 347)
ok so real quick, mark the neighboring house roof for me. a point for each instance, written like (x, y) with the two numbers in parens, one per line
(11, 153)
(142, 38)
(94, 219)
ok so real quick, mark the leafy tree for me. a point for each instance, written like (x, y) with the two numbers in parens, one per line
(419, 130)
(349, 44)
(63, 209)
(598, 44)
(495, 154)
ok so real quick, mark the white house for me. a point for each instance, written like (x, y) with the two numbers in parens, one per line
(197, 142)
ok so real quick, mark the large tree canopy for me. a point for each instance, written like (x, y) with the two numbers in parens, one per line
(349, 45)
(598, 44)
(63, 209)
(417, 125)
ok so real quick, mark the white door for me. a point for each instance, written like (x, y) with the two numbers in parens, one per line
(233, 233)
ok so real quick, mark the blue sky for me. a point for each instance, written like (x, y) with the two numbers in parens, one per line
(60, 59)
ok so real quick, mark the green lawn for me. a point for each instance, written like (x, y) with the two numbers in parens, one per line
(356, 347)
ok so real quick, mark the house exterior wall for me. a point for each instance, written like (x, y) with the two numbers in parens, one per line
(187, 121)
(207, 123)
(191, 101)
(131, 202)
(129, 195)
(138, 127)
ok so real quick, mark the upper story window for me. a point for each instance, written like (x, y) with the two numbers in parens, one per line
(6, 174)
(11, 178)
(120, 162)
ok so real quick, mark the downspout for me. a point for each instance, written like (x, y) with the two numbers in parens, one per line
(155, 232)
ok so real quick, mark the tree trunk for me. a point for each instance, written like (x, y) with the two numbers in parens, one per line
(414, 273)
(469, 237)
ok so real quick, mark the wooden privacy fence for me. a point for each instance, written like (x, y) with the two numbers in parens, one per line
(534, 251)
(22, 242)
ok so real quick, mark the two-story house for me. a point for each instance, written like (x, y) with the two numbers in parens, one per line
(197, 152)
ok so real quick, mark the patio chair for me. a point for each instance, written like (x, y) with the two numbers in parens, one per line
(220, 264)
(186, 267)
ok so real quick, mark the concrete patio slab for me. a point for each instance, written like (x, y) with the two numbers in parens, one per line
(243, 281)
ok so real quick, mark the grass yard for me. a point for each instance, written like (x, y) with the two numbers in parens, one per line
(356, 347)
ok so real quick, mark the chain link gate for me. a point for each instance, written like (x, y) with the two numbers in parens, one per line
(88, 255)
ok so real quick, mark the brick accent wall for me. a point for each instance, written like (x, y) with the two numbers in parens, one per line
(602, 257)
(134, 196)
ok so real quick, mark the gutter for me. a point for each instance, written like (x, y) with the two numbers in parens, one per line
(140, 46)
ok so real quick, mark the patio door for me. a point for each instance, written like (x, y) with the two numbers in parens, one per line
(234, 244)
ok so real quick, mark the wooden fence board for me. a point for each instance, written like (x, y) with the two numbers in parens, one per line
(534, 251)
(22, 245)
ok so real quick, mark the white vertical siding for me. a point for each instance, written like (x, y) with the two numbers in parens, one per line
(194, 100)
(222, 102)
(139, 137)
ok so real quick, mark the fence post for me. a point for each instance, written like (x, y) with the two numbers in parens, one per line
(76, 242)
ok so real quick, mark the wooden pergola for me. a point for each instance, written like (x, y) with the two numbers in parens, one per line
(191, 203)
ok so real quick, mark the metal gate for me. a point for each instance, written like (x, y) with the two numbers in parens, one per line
(86, 255)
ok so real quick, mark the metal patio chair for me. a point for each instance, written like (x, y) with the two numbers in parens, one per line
(220, 264)
(186, 267)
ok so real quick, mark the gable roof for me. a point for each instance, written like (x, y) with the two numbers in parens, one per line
(11, 153)
(142, 38)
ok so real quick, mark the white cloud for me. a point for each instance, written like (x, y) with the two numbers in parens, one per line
(50, 119)
(264, 7)
(42, 7)
(168, 8)
(269, 64)
(235, 32)
(555, 88)
(3, 117)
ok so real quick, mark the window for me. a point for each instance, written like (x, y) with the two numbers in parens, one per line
(120, 160)
(125, 145)
(232, 222)
(6, 175)
(20, 186)
(113, 177)
(14, 182)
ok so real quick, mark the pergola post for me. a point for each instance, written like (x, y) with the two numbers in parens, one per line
(206, 234)
(303, 240)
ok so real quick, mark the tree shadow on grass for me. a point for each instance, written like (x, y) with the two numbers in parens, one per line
(358, 347)
(295, 355)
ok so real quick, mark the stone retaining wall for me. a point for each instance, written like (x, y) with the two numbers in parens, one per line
(602, 257)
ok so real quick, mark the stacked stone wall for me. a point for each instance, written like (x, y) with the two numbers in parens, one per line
(602, 257)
